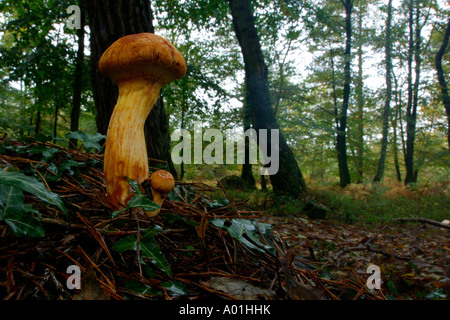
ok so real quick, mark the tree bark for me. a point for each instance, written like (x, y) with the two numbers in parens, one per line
(341, 139)
(360, 102)
(288, 179)
(78, 80)
(387, 103)
(413, 93)
(441, 78)
(109, 21)
(395, 137)
(246, 173)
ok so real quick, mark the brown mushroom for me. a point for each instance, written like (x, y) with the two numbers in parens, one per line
(140, 64)
(161, 182)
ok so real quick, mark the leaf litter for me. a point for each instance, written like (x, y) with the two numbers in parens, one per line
(196, 247)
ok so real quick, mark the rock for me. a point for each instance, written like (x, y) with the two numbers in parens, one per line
(315, 211)
(233, 182)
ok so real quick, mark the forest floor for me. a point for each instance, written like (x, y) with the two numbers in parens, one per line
(205, 242)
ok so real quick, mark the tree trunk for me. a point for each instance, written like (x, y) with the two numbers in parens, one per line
(341, 139)
(413, 94)
(109, 21)
(55, 121)
(246, 173)
(288, 179)
(442, 81)
(360, 102)
(395, 136)
(387, 103)
(78, 80)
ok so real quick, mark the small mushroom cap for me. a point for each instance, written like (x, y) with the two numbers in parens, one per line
(162, 181)
(143, 55)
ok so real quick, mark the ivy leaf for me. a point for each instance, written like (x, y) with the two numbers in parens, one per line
(24, 224)
(15, 215)
(142, 201)
(215, 204)
(124, 244)
(141, 288)
(135, 186)
(90, 141)
(11, 199)
(33, 186)
(241, 229)
(150, 248)
(177, 288)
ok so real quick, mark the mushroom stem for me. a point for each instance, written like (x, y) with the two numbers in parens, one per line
(140, 64)
(125, 151)
(158, 198)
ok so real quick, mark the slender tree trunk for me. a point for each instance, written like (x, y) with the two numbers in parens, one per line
(78, 80)
(246, 173)
(109, 21)
(183, 119)
(395, 121)
(341, 139)
(55, 121)
(37, 126)
(333, 87)
(288, 179)
(413, 94)
(360, 102)
(387, 103)
(442, 81)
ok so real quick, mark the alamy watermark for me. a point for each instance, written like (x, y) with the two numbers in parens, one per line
(263, 147)
(374, 281)
(74, 280)
(74, 21)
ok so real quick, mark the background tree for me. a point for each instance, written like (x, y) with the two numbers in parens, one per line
(341, 137)
(78, 77)
(387, 103)
(288, 179)
(441, 77)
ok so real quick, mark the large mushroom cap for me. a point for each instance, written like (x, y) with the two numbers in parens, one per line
(143, 55)
(162, 181)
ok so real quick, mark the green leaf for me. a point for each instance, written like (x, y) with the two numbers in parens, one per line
(437, 294)
(124, 244)
(150, 248)
(33, 186)
(90, 141)
(215, 204)
(16, 214)
(239, 228)
(390, 284)
(152, 232)
(24, 224)
(135, 186)
(11, 199)
(172, 218)
(141, 288)
(66, 165)
(177, 288)
(182, 190)
(142, 201)
(139, 200)
(46, 152)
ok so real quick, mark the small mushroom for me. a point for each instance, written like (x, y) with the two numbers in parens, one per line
(161, 182)
(140, 64)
